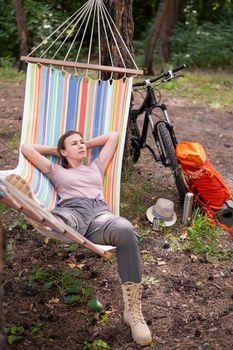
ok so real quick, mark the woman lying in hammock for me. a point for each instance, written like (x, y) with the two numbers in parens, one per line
(82, 206)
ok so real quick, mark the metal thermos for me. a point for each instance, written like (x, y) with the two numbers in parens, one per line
(187, 210)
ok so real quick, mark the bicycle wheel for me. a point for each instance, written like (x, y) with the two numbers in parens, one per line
(168, 148)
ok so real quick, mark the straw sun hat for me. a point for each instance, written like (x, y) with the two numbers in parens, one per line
(162, 210)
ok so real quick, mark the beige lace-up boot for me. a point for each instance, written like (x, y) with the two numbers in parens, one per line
(133, 313)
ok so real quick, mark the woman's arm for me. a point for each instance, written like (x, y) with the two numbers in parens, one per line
(34, 153)
(109, 143)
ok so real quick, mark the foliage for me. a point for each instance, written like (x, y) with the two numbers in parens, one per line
(38, 328)
(97, 344)
(15, 334)
(206, 44)
(203, 40)
(8, 32)
(20, 223)
(42, 18)
(203, 238)
(95, 305)
(71, 248)
(144, 234)
(210, 10)
(148, 258)
(68, 283)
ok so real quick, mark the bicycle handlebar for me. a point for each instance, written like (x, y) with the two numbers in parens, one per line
(166, 75)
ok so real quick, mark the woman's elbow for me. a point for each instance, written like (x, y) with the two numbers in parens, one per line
(24, 149)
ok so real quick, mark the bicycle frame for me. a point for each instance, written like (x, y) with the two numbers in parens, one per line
(162, 130)
(149, 104)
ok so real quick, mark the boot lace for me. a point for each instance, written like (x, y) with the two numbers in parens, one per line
(134, 298)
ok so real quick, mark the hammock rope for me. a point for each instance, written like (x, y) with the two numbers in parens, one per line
(91, 38)
(74, 40)
(119, 35)
(55, 31)
(91, 12)
(84, 14)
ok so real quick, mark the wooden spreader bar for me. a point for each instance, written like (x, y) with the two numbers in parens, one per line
(94, 67)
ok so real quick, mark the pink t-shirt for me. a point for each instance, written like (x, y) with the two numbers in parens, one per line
(83, 181)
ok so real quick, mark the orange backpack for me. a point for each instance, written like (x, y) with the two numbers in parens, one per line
(203, 180)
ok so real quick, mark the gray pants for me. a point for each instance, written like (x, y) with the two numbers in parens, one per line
(93, 219)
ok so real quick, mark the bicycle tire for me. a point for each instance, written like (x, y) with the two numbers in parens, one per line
(171, 156)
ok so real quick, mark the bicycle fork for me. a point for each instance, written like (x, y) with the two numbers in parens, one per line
(162, 155)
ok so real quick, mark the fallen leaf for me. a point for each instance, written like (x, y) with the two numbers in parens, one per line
(72, 266)
(193, 257)
(149, 280)
(200, 284)
(108, 312)
(54, 301)
(46, 241)
(80, 266)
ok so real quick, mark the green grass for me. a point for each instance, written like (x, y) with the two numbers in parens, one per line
(3, 208)
(20, 223)
(203, 238)
(213, 89)
(202, 87)
(11, 74)
(135, 197)
(14, 142)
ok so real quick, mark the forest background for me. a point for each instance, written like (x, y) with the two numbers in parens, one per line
(196, 32)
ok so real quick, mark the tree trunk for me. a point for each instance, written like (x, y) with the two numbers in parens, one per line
(169, 12)
(165, 33)
(174, 11)
(156, 30)
(121, 12)
(22, 30)
(3, 345)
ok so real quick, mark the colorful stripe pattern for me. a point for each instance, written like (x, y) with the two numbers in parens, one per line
(56, 102)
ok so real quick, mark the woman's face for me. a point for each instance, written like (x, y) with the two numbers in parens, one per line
(75, 148)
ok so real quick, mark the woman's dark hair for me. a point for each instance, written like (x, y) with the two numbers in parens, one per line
(61, 145)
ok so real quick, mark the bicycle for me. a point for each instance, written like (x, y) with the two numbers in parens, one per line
(162, 130)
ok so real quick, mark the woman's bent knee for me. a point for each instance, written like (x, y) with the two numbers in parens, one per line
(124, 232)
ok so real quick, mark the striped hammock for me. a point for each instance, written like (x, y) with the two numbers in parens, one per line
(56, 102)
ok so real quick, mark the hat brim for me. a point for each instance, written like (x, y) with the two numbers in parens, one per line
(151, 217)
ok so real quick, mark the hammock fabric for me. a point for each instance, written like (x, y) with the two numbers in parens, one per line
(55, 102)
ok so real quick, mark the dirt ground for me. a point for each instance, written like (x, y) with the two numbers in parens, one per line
(187, 302)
